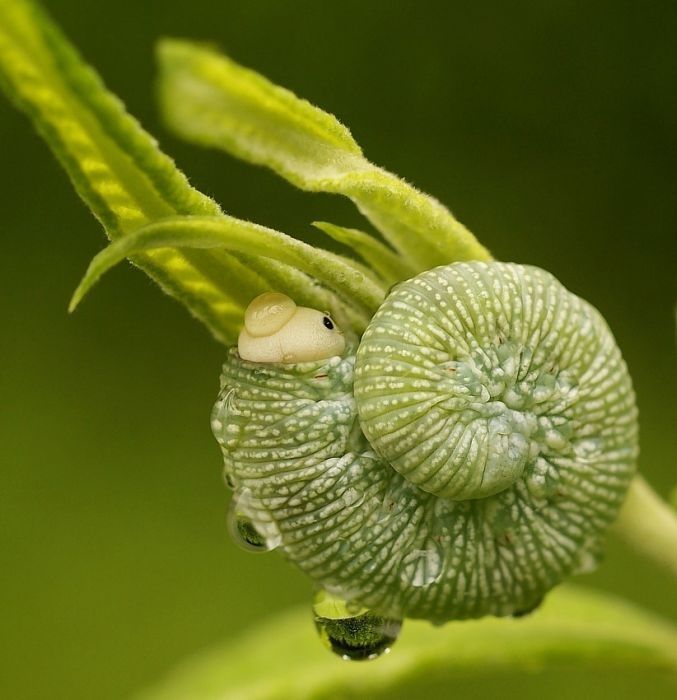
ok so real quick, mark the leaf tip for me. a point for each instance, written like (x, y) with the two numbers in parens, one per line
(77, 297)
(321, 225)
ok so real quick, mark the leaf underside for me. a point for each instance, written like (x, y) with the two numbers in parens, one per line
(573, 624)
(352, 282)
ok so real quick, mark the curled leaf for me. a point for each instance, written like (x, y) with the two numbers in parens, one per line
(349, 280)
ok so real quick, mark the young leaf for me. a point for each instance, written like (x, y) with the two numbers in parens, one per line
(343, 276)
(115, 166)
(390, 266)
(210, 100)
(585, 627)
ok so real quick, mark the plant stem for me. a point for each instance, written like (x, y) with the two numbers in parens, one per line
(649, 525)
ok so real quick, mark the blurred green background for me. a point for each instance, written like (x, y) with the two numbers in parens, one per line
(549, 128)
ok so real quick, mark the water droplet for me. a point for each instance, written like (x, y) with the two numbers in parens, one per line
(352, 497)
(224, 400)
(244, 533)
(253, 535)
(422, 567)
(353, 633)
(221, 413)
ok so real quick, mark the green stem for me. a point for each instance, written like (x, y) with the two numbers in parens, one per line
(649, 525)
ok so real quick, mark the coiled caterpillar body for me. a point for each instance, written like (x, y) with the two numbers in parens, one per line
(466, 459)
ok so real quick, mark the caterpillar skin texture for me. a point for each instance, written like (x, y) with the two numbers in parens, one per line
(467, 459)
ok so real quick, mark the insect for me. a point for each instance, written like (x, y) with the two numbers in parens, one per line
(462, 460)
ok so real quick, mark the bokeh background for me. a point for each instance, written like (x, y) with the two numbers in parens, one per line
(549, 128)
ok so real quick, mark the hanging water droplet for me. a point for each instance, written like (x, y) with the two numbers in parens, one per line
(246, 535)
(353, 633)
(220, 414)
(259, 536)
(422, 567)
(224, 401)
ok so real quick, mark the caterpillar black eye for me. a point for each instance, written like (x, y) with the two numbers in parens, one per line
(328, 323)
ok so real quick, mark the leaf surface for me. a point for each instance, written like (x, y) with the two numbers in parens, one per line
(211, 100)
(283, 658)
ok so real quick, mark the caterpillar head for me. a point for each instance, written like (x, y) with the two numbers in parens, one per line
(277, 330)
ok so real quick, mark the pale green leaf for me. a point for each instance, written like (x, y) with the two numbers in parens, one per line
(283, 657)
(209, 99)
(390, 267)
(339, 274)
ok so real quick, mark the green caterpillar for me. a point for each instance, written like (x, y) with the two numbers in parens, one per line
(465, 459)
